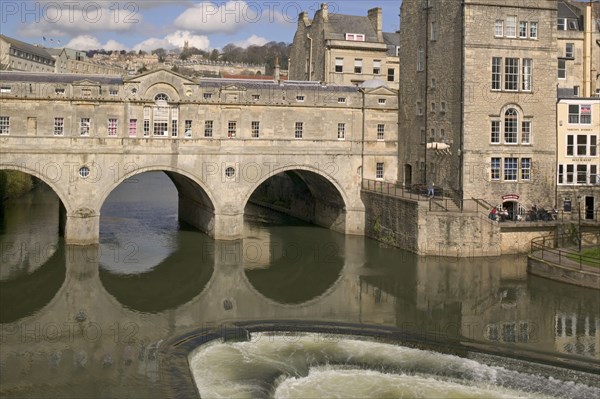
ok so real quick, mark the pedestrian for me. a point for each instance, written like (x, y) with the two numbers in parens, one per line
(430, 189)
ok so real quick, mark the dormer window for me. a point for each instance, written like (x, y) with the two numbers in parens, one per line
(355, 37)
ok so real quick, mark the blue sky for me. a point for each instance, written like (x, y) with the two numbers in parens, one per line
(134, 25)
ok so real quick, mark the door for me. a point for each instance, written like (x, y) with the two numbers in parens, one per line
(589, 208)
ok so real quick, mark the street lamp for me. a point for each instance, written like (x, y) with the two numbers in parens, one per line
(579, 219)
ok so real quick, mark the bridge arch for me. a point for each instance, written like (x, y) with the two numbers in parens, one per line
(197, 204)
(329, 204)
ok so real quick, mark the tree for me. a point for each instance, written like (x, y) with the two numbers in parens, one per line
(161, 53)
(214, 55)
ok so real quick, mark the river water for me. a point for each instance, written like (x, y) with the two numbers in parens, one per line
(82, 322)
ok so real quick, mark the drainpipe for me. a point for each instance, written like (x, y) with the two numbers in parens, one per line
(461, 156)
(310, 57)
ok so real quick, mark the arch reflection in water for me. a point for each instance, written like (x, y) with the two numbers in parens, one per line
(296, 263)
(145, 258)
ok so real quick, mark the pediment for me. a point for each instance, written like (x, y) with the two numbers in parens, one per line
(86, 82)
(381, 91)
(233, 87)
(160, 75)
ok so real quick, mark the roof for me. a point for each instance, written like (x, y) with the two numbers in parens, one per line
(29, 48)
(19, 76)
(285, 85)
(392, 39)
(253, 77)
(340, 24)
(568, 10)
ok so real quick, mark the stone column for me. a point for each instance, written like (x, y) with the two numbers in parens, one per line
(355, 222)
(83, 227)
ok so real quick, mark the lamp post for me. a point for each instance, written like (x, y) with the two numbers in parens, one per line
(579, 220)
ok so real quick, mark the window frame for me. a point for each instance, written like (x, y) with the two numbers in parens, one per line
(380, 131)
(379, 170)
(132, 127)
(298, 130)
(4, 125)
(59, 126)
(84, 126)
(341, 131)
(112, 127)
(231, 129)
(209, 126)
(255, 129)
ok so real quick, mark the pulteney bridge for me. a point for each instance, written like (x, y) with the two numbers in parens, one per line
(220, 142)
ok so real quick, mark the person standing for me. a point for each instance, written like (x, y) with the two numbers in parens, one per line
(430, 189)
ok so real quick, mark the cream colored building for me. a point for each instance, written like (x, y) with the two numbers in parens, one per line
(20, 56)
(578, 162)
(344, 49)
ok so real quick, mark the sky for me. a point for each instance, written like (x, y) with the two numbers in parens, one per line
(147, 25)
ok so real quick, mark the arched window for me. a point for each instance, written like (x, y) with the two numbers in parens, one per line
(420, 59)
(511, 126)
(161, 99)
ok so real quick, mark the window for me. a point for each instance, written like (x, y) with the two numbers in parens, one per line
(423, 136)
(255, 129)
(187, 126)
(113, 92)
(562, 69)
(380, 131)
(357, 37)
(5, 89)
(570, 145)
(420, 59)
(569, 50)
(581, 174)
(84, 127)
(379, 170)
(526, 78)
(59, 92)
(432, 136)
(525, 168)
(511, 26)
(161, 98)
(526, 132)
(594, 177)
(510, 169)
(174, 128)
(132, 127)
(357, 65)
(208, 128)
(161, 128)
(433, 83)
(496, 73)
(432, 106)
(581, 144)
(570, 173)
(59, 126)
(230, 172)
(231, 129)
(381, 101)
(433, 31)
(511, 74)
(342, 100)
(84, 171)
(580, 113)
(376, 67)
(419, 108)
(523, 29)
(300, 99)
(339, 65)
(443, 107)
(593, 146)
(146, 127)
(255, 97)
(4, 124)
(112, 127)
(207, 96)
(511, 117)
(495, 168)
(341, 131)
(495, 132)
(533, 30)
(298, 130)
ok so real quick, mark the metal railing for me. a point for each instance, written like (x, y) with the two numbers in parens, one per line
(548, 248)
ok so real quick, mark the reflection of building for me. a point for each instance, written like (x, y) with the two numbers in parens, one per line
(577, 335)
(20, 56)
(578, 183)
(344, 49)
(476, 77)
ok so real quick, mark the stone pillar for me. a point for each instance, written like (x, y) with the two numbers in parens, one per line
(228, 226)
(355, 222)
(83, 228)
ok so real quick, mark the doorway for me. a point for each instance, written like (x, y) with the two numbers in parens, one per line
(589, 208)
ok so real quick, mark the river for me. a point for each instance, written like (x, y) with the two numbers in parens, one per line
(79, 322)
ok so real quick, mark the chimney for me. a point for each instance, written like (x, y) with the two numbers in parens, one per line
(303, 20)
(375, 17)
(325, 12)
(276, 71)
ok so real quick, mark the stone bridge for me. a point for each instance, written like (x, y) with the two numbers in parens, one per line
(218, 140)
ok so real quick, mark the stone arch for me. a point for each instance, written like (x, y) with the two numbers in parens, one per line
(50, 183)
(165, 88)
(197, 204)
(329, 196)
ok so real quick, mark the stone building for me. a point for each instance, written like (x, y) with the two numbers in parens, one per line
(75, 61)
(344, 49)
(20, 56)
(578, 40)
(477, 110)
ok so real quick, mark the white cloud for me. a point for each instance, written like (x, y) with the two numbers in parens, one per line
(78, 19)
(174, 40)
(207, 17)
(252, 41)
(88, 42)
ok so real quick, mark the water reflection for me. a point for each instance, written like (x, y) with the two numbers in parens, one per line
(104, 322)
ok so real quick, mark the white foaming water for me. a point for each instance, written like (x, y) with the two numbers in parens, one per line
(311, 366)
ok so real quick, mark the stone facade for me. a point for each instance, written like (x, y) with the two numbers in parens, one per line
(20, 56)
(477, 106)
(218, 140)
(344, 49)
